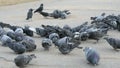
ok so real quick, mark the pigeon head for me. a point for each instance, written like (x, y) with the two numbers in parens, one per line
(103, 14)
(30, 9)
(46, 43)
(86, 49)
(84, 36)
(76, 36)
(41, 4)
(54, 37)
(19, 30)
(67, 27)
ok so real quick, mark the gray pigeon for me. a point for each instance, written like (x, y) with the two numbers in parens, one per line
(67, 27)
(29, 43)
(17, 47)
(4, 39)
(115, 43)
(98, 19)
(84, 36)
(96, 34)
(54, 37)
(19, 30)
(63, 46)
(40, 31)
(77, 29)
(22, 60)
(91, 55)
(77, 36)
(46, 43)
(2, 31)
(11, 34)
(29, 14)
(19, 37)
(27, 31)
(45, 14)
(60, 14)
(63, 15)
(27, 38)
(67, 44)
(30, 46)
(56, 14)
(40, 9)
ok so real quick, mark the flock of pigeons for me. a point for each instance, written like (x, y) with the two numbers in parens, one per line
(65, 38)
(55, 14)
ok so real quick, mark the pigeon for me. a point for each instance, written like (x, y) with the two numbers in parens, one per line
(63, 16)
(27, 31)
(11, 34)
(46, 43)
(56, 14)
(54, 37)
(45, 14)
(14, 27)
(28, 38)
(19, 30)
(2, 31)
(96, 34)
(29, 14)
(3, 25)
(77, 36)
(60, 14)
(67, 27)
(115, 43)
(118, 25)
(77, 29)
(91, 55)
(29, 43)
(62, 45)
(67, 44)
(39, 31)
(74, 43)
(30, 46)
(40, 9)
(98, 18)
(4, 39)
(17, 47)
(84, 36)
(19, 37)
(22, 60)
(66, 11)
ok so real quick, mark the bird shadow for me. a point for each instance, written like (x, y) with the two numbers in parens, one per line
(92, 64)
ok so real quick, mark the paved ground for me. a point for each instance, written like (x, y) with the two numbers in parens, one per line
(81, 10)
(11, 2)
